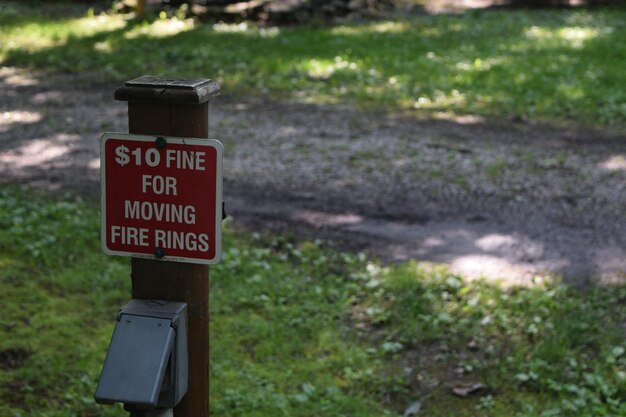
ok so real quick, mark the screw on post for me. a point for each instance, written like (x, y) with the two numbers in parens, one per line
(160, 142)
(159, 253)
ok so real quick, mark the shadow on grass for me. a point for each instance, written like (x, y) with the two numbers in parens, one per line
(541, 65)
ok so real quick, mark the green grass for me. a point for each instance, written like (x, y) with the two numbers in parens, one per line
(300, 329)
(548, 65)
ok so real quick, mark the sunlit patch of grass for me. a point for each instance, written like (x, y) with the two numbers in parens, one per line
(388, 26)
(324, 69)
(573, 37)
(43, 34)
(161, 28)
(440, 100)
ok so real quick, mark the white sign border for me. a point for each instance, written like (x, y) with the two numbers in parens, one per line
(219, 178)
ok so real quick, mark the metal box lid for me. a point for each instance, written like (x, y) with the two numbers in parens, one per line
(136, 361)
(147, 364)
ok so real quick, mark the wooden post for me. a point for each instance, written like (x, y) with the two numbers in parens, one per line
(174, 107)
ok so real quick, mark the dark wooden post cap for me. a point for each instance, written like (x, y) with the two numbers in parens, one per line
(150, 89)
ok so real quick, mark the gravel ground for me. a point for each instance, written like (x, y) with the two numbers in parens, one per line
(501, 200)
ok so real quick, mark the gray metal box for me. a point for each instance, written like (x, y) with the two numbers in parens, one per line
(146, 365)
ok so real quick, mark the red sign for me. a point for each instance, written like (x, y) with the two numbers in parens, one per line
(161, 197)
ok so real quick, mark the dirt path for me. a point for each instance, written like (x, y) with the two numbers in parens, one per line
(501, 200)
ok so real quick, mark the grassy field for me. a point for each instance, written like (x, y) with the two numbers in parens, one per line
(546, 65)
(301, 329)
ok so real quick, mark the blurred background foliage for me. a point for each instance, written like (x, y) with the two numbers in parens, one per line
(278, 12)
